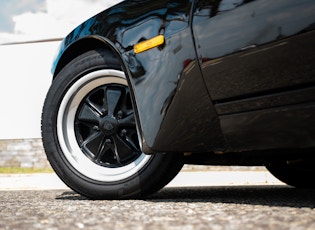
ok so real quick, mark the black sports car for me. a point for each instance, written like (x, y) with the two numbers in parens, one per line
(149, 85)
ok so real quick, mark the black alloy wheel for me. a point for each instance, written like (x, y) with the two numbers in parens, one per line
(105, 126)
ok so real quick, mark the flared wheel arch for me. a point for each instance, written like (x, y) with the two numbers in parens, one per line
(90, 43)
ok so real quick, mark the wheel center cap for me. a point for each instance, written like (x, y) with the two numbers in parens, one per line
(109, 126)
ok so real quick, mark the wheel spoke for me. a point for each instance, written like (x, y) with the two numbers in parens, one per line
(93, 144)
(113, 97)
(123, 150)
(87, 114)
(128, 121)
(99, 109)
(132, 144)
(106, 145)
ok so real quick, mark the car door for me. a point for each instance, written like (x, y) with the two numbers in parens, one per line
(257, 59)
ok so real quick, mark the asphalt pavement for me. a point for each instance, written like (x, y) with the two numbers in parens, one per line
(194, 200)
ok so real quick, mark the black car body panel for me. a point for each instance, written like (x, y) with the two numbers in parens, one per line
(258, 63)
(231, 76)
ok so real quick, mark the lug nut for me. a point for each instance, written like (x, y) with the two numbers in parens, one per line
(123, 132)
(120, 114)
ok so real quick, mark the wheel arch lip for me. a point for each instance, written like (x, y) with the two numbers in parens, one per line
(102, 31)
(99, 31)
(65, 55)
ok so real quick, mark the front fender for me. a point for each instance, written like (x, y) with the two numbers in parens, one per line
(173, 108)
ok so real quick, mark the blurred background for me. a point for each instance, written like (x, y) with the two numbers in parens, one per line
(30, 33)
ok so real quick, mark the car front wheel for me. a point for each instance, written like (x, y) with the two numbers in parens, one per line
(90, 135)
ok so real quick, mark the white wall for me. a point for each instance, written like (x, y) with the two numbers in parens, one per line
(24, 81)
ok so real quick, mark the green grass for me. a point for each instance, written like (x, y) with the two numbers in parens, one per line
(25, 170)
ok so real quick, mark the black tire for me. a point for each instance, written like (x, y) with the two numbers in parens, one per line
(298, 173)
(89, 133)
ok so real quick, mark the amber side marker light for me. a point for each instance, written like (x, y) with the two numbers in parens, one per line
(148, 44)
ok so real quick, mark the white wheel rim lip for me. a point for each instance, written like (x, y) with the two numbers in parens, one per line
(66, 133)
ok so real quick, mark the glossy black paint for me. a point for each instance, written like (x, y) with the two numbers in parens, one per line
(227, 68)
(255, 47)
(166, 81)
(258, 64)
